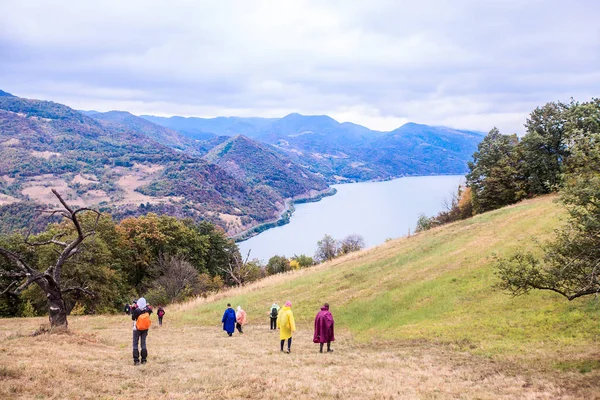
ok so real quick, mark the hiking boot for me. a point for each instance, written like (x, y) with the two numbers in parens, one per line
(143, 361)
(136, 363)
(329, 351)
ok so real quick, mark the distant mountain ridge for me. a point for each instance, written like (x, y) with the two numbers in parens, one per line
(346, 151)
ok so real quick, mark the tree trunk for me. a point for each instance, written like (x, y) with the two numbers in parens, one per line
(57, 309)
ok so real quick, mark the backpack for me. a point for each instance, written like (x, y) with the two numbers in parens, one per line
(161, 312)
(273, 312)
(142, 323)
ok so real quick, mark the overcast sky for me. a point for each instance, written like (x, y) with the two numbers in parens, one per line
(461, 63)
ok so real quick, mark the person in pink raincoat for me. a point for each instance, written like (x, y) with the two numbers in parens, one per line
(324, 328)
(240, 319)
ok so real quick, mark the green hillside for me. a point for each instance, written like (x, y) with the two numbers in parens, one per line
(435, 286)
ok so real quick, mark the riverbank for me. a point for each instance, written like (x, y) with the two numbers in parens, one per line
(285, 215)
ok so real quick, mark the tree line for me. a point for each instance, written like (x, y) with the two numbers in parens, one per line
(86, 263)
(560, 152)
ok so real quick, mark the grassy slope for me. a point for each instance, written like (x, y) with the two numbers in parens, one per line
(435, 286)
(405, 312)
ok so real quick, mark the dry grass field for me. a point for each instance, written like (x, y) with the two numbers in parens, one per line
(416, 318)
(93, 361)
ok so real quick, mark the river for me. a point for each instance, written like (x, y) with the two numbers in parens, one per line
(375, 210)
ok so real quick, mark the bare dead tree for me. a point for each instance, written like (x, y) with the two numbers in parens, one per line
(49, 280)
(352, 243)
(176, 275)
(238, 270)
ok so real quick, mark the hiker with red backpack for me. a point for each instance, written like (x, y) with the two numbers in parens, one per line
(141, 317)
(161, 313)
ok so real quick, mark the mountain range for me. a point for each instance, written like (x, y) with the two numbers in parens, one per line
(234, 172)
(345, 152)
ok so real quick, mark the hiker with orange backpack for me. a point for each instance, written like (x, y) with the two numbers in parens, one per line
(141, 317)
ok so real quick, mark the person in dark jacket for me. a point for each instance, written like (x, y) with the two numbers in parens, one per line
(229, 320)
(138, 334)
(273, 312)
(127, 309)
(160, 312)
(324, 328)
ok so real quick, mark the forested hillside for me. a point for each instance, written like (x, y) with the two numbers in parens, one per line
(261, 165)
(119, 167)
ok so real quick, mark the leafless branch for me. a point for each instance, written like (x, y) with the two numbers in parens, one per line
(83, 290)
(18, 261)
(54, 240)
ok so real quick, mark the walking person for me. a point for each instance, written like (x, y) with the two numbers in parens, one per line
(229, 320)
(273, 312)
(240, 319)
(286, 325)
(161, 313)
(324, 328)
(127, 309)
(141, 317)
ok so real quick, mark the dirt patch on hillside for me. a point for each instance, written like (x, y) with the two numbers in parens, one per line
(10, 142)
(39, 189)
(148, 168)
(85, 180)
(45, 154)
(130, 182)
(95, 197)
(8, 179)
(5, 199)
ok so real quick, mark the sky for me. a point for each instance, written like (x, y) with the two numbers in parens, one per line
(468, 64)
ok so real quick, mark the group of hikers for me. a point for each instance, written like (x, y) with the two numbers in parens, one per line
(281, 318)
(128, 309)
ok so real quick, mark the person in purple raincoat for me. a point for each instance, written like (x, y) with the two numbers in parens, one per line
(324, 328)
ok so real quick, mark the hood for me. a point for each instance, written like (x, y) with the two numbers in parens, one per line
(324, 308)
(141, 302)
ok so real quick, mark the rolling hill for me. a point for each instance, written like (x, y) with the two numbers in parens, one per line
(435, 286)
(261, 165)
(125, 121)
(119, 166)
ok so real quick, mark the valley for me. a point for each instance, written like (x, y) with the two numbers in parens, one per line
(240, 177)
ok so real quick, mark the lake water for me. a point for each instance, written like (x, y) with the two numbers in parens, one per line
(375, 210)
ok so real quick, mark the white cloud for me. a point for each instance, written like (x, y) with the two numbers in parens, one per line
(464, 63)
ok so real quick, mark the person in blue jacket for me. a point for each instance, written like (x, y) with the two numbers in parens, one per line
(229, 320)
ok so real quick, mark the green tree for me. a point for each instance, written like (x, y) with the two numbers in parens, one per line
(494, 176)
(544, 147)
(424, 223)
(303, 260)
(327, 249)
(570, 265)
(278, 264)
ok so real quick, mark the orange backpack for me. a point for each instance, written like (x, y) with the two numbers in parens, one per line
(143, 322)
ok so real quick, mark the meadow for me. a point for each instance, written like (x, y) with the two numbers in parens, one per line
(417, 317)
